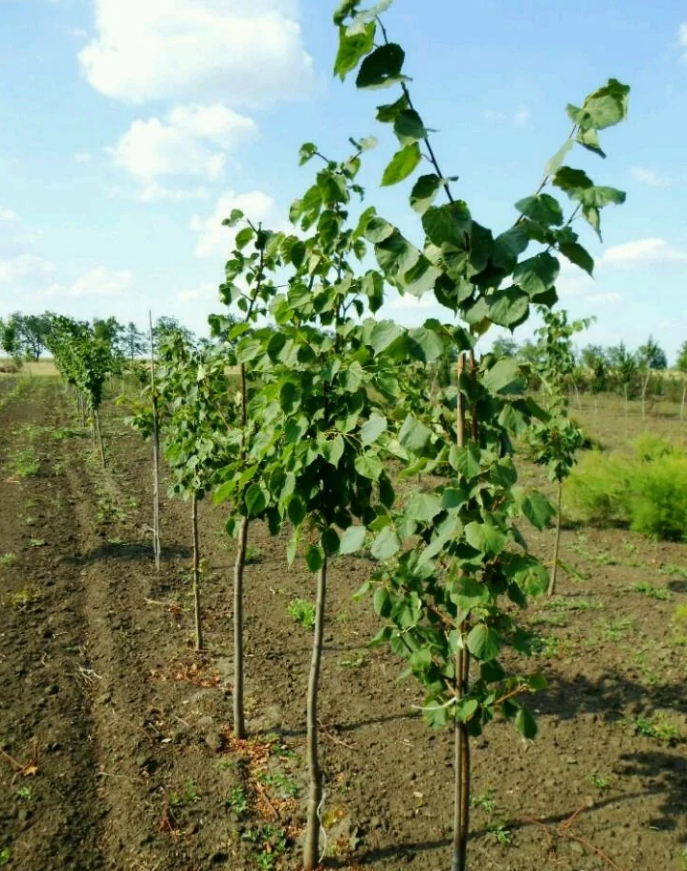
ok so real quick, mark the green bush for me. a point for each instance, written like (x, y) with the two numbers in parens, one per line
(646, 490)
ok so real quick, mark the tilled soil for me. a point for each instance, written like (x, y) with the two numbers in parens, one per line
(116, 738)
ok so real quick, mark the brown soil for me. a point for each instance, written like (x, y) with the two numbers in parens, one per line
(135, 766)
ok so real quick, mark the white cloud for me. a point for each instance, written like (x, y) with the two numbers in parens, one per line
(7, 215)
(203, 293)
(98, 281)
(213, 237)
(682, 40)
(82, 157)
(604, 298)
(155, 192)
(24, 267)
(191, 141)
(647, 175)
(408, 301)
(642, 252)
(242, 52)
(521, 116)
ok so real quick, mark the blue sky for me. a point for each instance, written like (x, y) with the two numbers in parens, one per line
(131, 127)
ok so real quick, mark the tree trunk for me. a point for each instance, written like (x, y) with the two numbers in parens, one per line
(557, 542)
(156, 452)
(99, 437)
(311, 857)
(682, 404)
(626, 400)
(240, 564)
(196, 573)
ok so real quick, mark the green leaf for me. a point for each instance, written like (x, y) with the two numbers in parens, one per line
(425, 345)
(578, 255)
(558, 157)
(469, 593)
(525, 724)
(603, 108)
(330, 542)
(306, 152)
(537, 274)
(453, 498)
(423, 507)
(381, 68)
(233, 219)
(450, 223)
(243, 237)
(256, 500)
(296, 510)
(352, 47)
(332, 450)
(352, 540)
(543, 209)
(569, 179)
(314, 557)
(402, 164)
(369, 466)
(466, 461)
(371, 430)
(485, 537)
(414, 435)
(420, 278)
(537, 509)
(424, 192)
(343, 10)
(589, 139)
(386, 544)
(529, 574)
(508, 307)
(484, 643)
(409, 128)
(383, 335)
(509, 246)
(502, 375)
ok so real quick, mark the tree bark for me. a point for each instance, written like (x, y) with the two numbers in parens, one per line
(557, 542)
(156, 452)
(99, 437)
(311, 850)
(239, 716)
(196, 573)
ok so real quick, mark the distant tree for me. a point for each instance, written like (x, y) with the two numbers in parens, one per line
(9, 341)
(653, 355)
(505, 346)
(595, 359)
(109, 330)
(32, 332)
(167, 326)
(625, 369)
(133, 342)
(682, 358)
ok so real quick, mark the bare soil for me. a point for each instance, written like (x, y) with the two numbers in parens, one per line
(116, 738)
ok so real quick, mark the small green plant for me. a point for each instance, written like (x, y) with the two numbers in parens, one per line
(25, 464)
(651, 591)
(270, 842)
(303, 612)
(598, 780)
(282, 783)
(574, 605)
(680, 622)
(237, 800)
(615, 630)
(25, 793)
(674, 571)
(659, 726)
(500, 833)
(4, 856)
(683, 859)
(486, 803)
(37, 542)
(21, 599)
(355, 661)
(253, 555)
(7, 560)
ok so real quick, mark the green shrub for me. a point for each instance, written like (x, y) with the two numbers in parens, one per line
(647, 489)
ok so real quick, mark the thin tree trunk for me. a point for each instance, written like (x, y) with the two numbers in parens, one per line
(196, 573)
(682, 404)
(99, 437)
(557, 542)
(311, 857)
(461, 738)
(239, 716)
(626, 400)
(156, 452)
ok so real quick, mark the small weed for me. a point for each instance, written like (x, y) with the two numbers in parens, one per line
(548, 646)
(21, 599)
(25, 464)
(658, 726)
(25, 793)
(237, 800)
(549, 620)
(486, 803)
(58, 469)
(598, 780)
(574, 605)
(357, 660)
(4, 856)
(37, 542)
(271, 843)
(7, 560)
(680, 621)
(683, 859)
(186, 796)
(282, 783)
(674, 571)
(30, 521)
(652, 592)
(501, 833)
(303, 612)
(253, 555)
(60, 433)
(615, 630)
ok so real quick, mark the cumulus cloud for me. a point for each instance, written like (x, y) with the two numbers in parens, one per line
(192, 140)
(604, 298)
(7, 215)
(204, 292)
(242, 52)
(642, 252)
(682, 40)
(519, 118)
(98, 281)
(653, 178)
(213, 237)
(24, 267)
(82, 157)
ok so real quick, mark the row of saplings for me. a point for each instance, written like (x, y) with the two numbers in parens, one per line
(324, 396)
